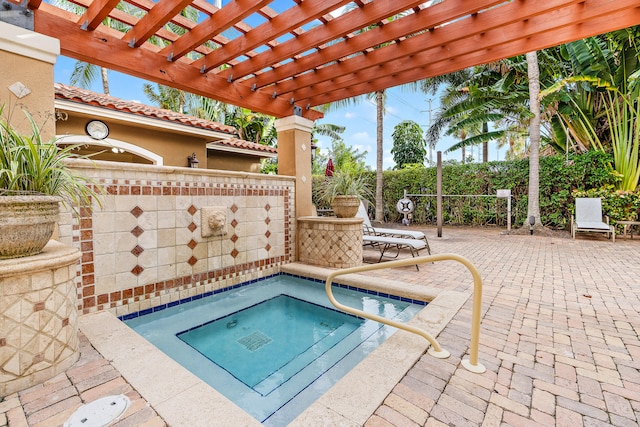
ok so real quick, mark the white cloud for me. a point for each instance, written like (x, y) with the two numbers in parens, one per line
(337, 12)
(350, 115)
(387, 162)
(361, 137)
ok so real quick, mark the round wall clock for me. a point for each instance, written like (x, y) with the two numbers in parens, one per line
(97, 129)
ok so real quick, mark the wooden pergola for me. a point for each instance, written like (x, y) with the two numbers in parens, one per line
(305, 54)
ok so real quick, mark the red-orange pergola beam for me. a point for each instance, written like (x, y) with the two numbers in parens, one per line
(103, 47)
(336, 28)
(220, 21)
(552, 37)
(496, 26)
(425, 19)
(155, 19)
(95, 13)
(286, 22)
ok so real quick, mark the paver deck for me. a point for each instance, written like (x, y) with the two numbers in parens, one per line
(559, 338)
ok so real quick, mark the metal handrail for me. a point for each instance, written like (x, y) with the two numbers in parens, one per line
(435, 350)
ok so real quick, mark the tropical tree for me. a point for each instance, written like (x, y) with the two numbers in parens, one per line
(473, 98)
(597, 100)
(255, 127)
(409, 146)
(166, 97)
(379, 97)
(533, 206)
(577, 105)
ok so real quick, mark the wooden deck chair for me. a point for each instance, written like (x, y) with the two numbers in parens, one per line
(588, 218)
(389, 232)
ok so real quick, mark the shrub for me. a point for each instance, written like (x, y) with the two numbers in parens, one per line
(560, 176)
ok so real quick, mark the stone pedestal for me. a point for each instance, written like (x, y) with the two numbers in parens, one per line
(330, 242)
(38, 317)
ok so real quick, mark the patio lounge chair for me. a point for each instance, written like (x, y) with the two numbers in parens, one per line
(589, 218)
(384, 243)
(389, 232)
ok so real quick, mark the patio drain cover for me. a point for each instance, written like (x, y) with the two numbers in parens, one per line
(100, 412)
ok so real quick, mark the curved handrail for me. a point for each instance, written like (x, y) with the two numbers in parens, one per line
(435, 349)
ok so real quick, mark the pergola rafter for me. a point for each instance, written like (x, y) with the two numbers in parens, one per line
(286, 22)
(492, 29)
(308, 54)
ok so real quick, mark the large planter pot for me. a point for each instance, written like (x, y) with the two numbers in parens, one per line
(26, 224)
(345, 206)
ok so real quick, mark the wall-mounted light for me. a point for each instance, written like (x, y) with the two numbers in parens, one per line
(193, 161)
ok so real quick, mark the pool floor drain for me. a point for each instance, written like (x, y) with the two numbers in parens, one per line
(100, 412)
(254, 341)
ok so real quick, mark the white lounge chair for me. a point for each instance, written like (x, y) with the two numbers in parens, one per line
(589, 218)
(390, 232)
(384, 243)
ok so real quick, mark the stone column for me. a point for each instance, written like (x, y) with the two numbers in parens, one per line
(294, 158)
(26, 77)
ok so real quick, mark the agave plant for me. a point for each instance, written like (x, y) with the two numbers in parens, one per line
(31, 166)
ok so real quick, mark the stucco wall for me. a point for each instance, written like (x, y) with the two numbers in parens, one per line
(27, 58)
(232, 162)
(144, 247)
(173, 147)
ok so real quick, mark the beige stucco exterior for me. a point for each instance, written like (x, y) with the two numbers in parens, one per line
(232, 162)
(149, 141)
(294, 158)
(172, 147)
(27, 58)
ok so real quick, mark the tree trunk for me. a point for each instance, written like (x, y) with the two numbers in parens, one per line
(105, 80)
(379, 154)
(533, 209)
(485, 145)
(464, 154)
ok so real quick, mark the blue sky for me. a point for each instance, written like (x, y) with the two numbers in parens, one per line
(359, 120)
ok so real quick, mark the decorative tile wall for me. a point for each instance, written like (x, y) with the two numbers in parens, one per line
(38, 317)
(144, 246)
(330, 242)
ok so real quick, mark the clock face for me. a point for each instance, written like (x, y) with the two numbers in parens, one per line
(97, 129)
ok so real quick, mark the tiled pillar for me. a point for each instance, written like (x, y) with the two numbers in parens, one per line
(26, 77)
(38, 317)
(294, 158)
(329, 242)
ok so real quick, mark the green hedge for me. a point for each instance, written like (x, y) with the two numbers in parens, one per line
(559, 177)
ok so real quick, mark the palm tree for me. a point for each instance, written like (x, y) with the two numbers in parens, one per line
(380, 109)
(533, 207)
(166, 97)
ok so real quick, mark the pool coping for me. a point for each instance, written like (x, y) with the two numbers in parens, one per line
(181, 398)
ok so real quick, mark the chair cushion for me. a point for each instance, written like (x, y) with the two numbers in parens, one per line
(400, 233)
(592, 225)
(414, 243)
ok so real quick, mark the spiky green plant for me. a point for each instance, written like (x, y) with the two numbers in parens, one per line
(344, 183)
(622, 112)
(29, 165)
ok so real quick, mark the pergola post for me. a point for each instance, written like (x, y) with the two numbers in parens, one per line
(294, 158)
(26, 78)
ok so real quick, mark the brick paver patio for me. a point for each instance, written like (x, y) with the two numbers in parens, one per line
(559, 338)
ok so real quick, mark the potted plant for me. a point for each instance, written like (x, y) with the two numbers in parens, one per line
(34, 179)
(344, 191)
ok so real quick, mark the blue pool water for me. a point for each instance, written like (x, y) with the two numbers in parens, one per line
(273, 346)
